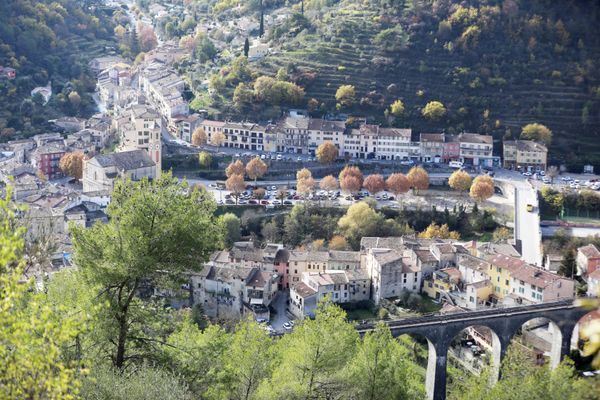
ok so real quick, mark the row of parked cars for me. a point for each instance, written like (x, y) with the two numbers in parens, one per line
(276, 156)
(593, 184)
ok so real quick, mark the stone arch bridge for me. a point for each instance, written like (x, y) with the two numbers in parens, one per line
(440, 330)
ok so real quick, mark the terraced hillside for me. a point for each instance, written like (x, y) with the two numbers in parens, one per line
(524, 66)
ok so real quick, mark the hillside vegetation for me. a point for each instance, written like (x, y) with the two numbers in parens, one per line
(48, 40)
(496, 65)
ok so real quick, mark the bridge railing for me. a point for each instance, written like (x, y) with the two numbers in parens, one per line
(433, 317)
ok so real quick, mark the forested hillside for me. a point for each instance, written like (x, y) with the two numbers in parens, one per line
(496, 65)
(48, 40)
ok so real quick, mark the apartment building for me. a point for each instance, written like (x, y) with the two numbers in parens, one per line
(516, 282)
(432, 147)
(186, 125)
(476, 149)
(321, 131)
(245, 136)
(524, 155)
(46, 159)
(140, 128)
(294, 135)
(163, 88)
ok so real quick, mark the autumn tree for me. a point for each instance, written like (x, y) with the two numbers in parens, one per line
(374, 183)
(434, 110)
(327, 152)
(147, 38)
(75, 100)
(397, 183)
(235, 168)
(304, 181)
(345, 96)
(482, 188)
(501, 234)
(256, 168)
(435, 231)
(338, 242)
(418, 179)
(351, 179)
(236, 185)
(199, 137)
(360, 220)
(537, 132)
(460, 181)
(328, 183)
(71, 164)
(157, 231)
(397, 108)
(205, 159)
(217, 139)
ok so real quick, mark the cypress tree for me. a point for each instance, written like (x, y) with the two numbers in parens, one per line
(246, 47)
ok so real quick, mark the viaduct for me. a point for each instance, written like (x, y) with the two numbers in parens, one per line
(440, 330)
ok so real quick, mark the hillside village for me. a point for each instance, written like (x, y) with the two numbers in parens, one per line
(124, 220)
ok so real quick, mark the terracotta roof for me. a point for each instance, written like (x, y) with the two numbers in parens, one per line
(304, 290)
(432, 137)
(589, 251)
(381, 243)
(126, 160)
(425, 255)
(526, 145)
(480, 284)
(475, 138)
(318, 124)
(522, 271)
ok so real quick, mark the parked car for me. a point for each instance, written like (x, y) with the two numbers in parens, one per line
(287, 326)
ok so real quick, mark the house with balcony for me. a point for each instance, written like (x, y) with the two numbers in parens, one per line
(441, 283)
(477, 150)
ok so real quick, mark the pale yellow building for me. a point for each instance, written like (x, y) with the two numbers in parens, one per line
(525, 154)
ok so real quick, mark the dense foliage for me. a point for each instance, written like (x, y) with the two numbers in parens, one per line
(48, 41)
(495, 65)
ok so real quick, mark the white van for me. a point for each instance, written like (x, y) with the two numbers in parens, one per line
(455, 164)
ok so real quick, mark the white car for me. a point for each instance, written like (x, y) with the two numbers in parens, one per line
(262, 156)
(287, 326)
(279, 157)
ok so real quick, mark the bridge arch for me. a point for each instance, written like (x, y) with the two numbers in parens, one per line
(478, 346)
(542, 337)
(416, 342)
